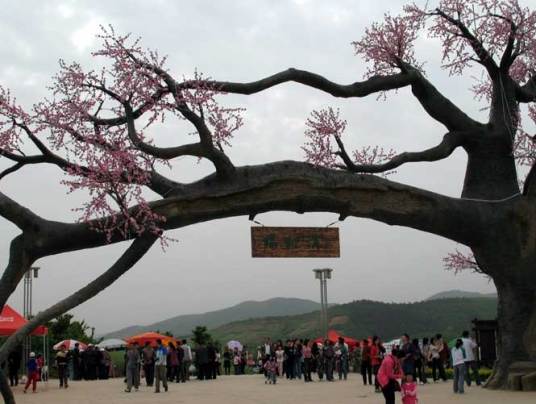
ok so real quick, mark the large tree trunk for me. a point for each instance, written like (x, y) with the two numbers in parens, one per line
(516, 356)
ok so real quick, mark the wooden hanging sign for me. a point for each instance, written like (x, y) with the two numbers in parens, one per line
(295, 242)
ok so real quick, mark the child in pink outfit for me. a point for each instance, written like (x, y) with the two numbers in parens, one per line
(409, 391)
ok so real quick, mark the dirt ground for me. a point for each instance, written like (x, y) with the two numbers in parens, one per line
(251, 389)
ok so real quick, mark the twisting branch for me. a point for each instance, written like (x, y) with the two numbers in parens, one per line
(438, 106)
(450, 142)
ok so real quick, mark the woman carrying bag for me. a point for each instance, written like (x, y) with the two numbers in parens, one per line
(388, 374)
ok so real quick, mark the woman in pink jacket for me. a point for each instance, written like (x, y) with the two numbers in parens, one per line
(388, 374)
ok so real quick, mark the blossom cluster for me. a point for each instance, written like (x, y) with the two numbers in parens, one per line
(458, 261)
(84, 123)
(385, 45)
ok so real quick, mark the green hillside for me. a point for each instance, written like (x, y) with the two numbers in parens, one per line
(184, 324)
(365, 318)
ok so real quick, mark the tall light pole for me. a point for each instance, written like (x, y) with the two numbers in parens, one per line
(31, 273)
(323, 275)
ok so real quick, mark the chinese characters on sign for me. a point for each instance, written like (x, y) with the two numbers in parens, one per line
(297, 242)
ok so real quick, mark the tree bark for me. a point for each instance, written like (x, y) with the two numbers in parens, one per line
(517, 329)
(5, 390)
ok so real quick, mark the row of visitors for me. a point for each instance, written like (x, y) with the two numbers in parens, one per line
(299, 358)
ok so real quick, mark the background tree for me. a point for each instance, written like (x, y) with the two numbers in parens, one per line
(97, 127)
(201, 336)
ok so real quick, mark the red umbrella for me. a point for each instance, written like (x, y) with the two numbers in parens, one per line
(151, 337)
(69, 344)
(333, 336)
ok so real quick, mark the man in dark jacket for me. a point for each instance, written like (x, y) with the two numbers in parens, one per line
(202, 362)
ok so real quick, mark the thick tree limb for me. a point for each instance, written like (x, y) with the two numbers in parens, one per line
(298, 187)
(130, 257)
(17, 214)
(20, 259)
(450, 142)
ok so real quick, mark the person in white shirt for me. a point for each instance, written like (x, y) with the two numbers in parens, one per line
(470, 361)
(458, 363)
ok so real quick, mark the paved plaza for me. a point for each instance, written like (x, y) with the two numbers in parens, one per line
(251, 389)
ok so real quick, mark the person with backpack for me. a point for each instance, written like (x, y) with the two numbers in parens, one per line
(62, 361)
(458, 363)
(470, 361)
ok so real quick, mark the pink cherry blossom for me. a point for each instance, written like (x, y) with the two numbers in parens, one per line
(322, 128)
(459, 261)
(387, 44)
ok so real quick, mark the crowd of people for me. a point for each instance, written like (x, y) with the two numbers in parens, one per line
(381, 367)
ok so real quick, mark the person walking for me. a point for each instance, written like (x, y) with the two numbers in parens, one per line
(32, 374)
(13, 366)
(227, 361)
(444, 356)
(77, 359)
(388, 374)
(290, 353)
(438, 370)
(408, 360)
(172, 362)
(409, 390)
(160, 366)
(458, 363)
(106, 363)
(425, 354)
(307, 361)
(148, 363)
(62, 362)
(366, 365)
(132, 367)
(343, 359)
(329, 359)
(280, 359)
(186, 361)
(211, 371)
(376, 360)
(470, 361)
(298, 359)
(202, 360)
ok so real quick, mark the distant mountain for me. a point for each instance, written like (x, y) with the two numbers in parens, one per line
(455, 293)
(184, 324)
(364, 318)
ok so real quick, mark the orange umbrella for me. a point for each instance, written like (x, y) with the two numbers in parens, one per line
(151, 337)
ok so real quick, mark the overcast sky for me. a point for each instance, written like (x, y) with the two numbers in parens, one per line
(210, 267)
